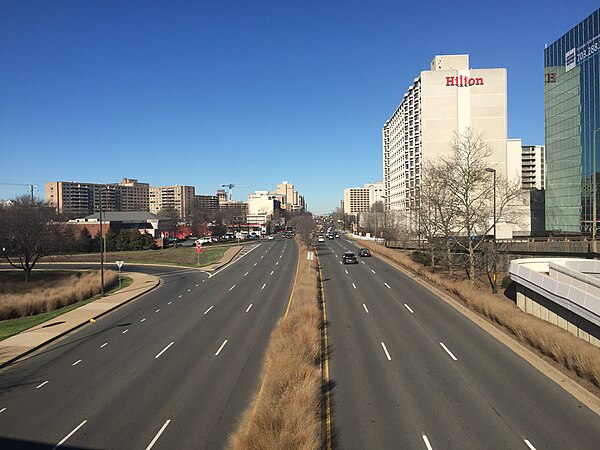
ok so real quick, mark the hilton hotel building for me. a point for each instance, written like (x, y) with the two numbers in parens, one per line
(442, 102)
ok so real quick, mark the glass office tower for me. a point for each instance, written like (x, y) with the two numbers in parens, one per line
(572, 118)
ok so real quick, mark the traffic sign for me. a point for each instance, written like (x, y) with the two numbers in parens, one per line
(310, 256)
(119, 264)
(198, 248)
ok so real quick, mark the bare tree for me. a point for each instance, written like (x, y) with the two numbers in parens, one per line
(438, 209)
(27, 233)
(471, 188)
(304, 226)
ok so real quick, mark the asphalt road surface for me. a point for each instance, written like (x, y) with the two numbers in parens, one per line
(408, 371)
(173, 369)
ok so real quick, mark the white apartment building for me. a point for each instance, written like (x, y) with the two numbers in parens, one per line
(525, 163)
(441, 103)
(181, 198)
(360, 199)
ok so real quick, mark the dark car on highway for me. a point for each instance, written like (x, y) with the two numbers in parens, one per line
(364, 252)
(349, 258)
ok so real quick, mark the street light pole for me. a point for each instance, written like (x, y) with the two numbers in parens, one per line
(494, 283)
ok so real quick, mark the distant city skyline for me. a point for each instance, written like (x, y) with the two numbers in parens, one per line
(205, 94)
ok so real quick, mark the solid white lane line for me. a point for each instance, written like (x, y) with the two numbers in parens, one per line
(42, 384)
(69, 435)
(408, 307)
(353, 285)
(164, 350)
(386, 352)
(76, 362)
(142, 320)
(231, 288)
(448, 351)
(249, 307)
(169, 303)
(246, 274)
(104, 345)
(205, 312)
(366, 310)
(372, 271)
(221, 347)
(387, 285)
(151, 444)
(427, 444)
(125, 331)
(263, 286)
(2, 410)
(529, 444)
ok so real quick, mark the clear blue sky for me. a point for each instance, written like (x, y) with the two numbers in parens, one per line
(247, 92)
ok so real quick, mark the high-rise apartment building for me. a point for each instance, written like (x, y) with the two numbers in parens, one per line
(572, 124)
(133, 195)
(442, 102)
(207, 203)
(81, 199)
(532, 166)
(356, 200)
(180, 198)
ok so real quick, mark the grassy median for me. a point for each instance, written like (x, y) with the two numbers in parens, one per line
(285, 413)
(566, 349)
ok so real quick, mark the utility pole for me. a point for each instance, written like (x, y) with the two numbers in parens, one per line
(101, 250)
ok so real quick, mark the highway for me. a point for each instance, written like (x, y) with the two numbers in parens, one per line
(409, 371)
(172, 369)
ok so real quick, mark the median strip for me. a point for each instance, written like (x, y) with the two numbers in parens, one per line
(286, 411)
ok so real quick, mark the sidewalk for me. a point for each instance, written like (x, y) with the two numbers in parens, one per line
(29, 340)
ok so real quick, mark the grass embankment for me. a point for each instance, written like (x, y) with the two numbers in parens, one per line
(286, 411)
(566, 349)
(178, 256)
(48, 295)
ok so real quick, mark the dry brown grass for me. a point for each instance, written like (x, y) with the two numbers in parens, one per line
(286, 411)
(574, 354)
(23, 300)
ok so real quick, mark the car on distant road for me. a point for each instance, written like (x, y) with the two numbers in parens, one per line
(349, 258)
(321, 239)
(364, 252)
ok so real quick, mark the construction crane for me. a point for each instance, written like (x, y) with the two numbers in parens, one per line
(230, 187)
(30, 186)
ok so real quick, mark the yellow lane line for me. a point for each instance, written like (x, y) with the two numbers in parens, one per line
(294, 286)
(326, 362)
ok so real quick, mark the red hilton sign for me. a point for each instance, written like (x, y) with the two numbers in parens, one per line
(464, 81)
